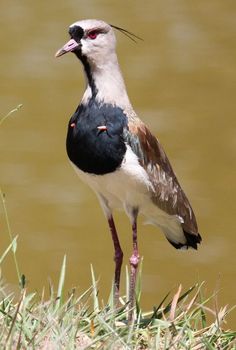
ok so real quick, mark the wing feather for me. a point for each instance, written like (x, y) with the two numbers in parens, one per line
(168, 194)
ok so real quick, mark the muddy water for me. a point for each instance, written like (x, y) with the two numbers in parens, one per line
(181, 80)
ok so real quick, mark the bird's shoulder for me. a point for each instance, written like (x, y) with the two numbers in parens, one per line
(147, 147)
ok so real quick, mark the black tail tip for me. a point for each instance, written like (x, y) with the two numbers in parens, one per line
(192, 241)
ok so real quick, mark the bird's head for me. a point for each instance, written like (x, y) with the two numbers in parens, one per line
(93, 39)
(94, 43)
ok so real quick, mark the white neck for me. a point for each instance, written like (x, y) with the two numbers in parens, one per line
(109, 84)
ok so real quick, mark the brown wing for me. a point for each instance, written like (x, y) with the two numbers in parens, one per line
(168, 194)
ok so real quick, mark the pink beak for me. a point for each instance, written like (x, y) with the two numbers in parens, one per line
(68, 47)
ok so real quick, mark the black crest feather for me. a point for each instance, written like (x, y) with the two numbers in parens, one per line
(130, 35)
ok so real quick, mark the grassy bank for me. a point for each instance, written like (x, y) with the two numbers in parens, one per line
(30, 321)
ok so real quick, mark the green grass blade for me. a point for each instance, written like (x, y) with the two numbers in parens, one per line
(10, 236)
(13, 243)
(95, 291)
(185, 294)
(10, 113)
(203, 314)
(61, 283)
(138, 288)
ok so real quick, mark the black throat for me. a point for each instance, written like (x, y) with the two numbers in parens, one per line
(88, 72)
(77, 33)
(92, 149)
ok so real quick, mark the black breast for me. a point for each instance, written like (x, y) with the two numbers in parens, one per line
(90, 149)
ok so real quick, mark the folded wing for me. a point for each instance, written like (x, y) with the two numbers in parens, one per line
(168, 194)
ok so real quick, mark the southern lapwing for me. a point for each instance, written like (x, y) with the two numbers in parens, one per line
(114, 152)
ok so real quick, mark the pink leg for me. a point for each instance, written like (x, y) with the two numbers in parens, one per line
(118, 258)
(134, 261)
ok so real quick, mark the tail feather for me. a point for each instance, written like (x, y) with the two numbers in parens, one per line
(192, 241)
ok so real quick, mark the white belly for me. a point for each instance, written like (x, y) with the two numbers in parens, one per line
(130, 187)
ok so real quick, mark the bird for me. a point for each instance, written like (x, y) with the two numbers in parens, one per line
(115, 153)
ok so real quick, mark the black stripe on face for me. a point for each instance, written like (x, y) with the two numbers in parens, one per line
(76, 33)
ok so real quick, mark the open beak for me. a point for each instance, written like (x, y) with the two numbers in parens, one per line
(71, 45)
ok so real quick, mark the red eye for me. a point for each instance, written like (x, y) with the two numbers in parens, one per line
(93, 34)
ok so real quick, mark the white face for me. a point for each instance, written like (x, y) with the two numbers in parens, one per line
(98, 41)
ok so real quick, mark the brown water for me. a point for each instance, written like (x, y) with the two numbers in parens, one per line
(181, 80)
